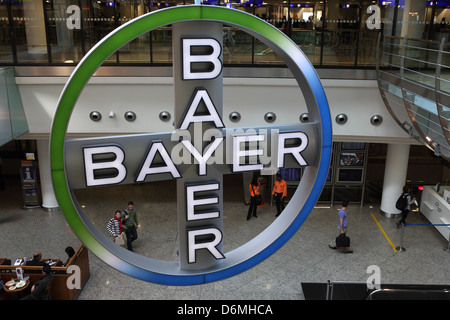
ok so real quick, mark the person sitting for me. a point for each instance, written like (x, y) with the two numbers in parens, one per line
(70, 253)
(39, 291)
(37, 256)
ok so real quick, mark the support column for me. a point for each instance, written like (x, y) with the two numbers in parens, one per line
(35, 28)
(49, 202)
(185, 91)
(394, 178)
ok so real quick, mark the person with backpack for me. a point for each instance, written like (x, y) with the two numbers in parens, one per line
(404, 205)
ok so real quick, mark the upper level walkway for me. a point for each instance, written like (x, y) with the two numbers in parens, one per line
(414, 81)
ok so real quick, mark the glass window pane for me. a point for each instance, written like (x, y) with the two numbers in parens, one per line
(265, 55)
(161, 40)
(247, 49)
(341, 21)
(29, 31)
(137, 50)
(306, 26)
(237, 46)
(64, 31)
(441, 21)
(370, 29)
(444, 78)
(98, 20)
(420, 61)
(6, 55)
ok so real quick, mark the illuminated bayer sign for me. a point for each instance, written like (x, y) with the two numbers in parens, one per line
(197, 166)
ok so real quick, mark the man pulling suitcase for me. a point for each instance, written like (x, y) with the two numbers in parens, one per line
(342, 241)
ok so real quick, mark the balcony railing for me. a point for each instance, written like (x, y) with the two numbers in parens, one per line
(12, 116)
(414, 82)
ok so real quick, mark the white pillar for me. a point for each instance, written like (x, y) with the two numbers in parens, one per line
(394, 178)
(35, 27)
(49, 201)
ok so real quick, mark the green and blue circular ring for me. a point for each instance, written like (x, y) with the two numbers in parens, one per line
(300, 65)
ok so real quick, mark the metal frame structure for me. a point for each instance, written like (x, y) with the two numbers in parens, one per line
(412, 90)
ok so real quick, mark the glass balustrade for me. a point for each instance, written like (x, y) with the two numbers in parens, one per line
(413, 76)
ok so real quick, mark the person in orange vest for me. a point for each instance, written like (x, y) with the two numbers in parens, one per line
(279, 192)
(255, 196)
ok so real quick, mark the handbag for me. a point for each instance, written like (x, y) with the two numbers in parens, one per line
(119, 240)
(258, 197)
(342, 241)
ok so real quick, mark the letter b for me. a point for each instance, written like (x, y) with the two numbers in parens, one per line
(189, 59)
(91, 166)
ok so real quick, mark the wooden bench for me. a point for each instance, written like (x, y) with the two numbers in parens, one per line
(59, 289)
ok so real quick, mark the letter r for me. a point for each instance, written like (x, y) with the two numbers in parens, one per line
(194, 245)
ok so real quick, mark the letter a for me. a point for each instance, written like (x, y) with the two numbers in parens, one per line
(74, 21)
(74, 281)
(373, 22)
(201, 94)
(169, 167)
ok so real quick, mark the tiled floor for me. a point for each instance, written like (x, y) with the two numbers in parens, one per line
(305, 258)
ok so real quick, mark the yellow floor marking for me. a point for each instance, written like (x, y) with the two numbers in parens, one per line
(387, 238)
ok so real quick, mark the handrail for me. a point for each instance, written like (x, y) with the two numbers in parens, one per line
(55, 269)
(331, 284)
(421, 224)
(424, 70)
(355, 290)
(414, 39)
(396, 290)
(76, 255)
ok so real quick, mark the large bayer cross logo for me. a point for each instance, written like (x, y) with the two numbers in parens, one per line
(197, 52)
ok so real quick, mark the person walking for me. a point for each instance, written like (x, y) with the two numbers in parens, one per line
(406, 206)
(342, 226)
(130, 222)
(115, 227)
